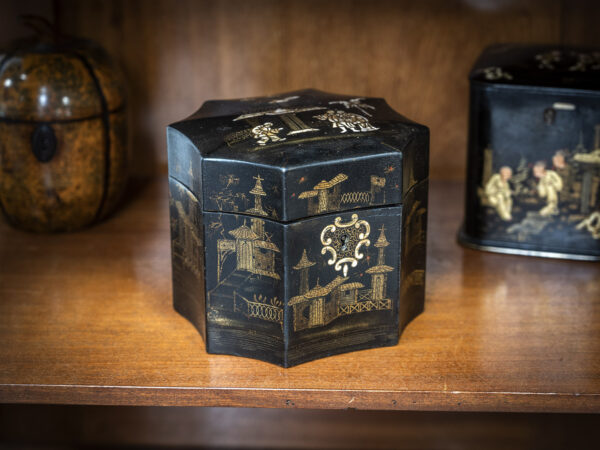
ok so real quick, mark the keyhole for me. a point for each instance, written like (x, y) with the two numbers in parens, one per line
(344, 240)
(43, 143)
(549, 116)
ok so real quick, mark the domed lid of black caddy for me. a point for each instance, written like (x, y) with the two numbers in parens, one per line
(539, 65)
(299, 154)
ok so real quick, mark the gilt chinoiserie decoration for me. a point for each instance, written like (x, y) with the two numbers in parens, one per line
(534, 152)
(298, 224)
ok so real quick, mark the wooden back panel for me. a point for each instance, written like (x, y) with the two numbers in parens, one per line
(417, 55)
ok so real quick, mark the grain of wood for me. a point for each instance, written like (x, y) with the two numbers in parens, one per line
(415, 54)
(86, 318)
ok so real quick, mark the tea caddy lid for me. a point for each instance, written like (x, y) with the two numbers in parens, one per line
(539, 65)
(64, 80)
(299, 154)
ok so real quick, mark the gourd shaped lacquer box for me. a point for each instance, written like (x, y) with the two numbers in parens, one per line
(298, 224)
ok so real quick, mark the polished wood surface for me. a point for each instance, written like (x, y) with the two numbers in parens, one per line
(86, 318)
(416, 54)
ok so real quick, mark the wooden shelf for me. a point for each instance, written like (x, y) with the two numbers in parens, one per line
(86, 318)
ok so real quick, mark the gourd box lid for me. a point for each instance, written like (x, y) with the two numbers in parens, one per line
(297, 154)
(539, 65)
(72, 79)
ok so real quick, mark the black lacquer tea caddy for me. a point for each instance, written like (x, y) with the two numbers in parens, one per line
(533, 176)
(298, 224)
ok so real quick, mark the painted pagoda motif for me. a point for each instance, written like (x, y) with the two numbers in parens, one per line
(321, 305)
(379, 272)
(245, 286)
(303, 265)
(258, 193)
(254, 251)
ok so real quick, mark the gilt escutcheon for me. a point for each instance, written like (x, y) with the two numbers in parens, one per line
(343, 241)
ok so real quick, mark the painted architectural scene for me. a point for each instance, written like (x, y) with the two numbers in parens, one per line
(252, 246)
(253, 252)
(187, 245)
(539, 198)
(234, 192)
(247, 272)
(328, 195)
(281, 124)
(415, 230)
(245, 281)
(322, 304)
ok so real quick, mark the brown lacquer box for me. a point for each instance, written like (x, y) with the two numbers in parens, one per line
(298, 224)
(533, 184)
(63, 134)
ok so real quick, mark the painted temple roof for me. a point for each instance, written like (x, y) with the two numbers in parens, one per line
(244, 232)
(350, 286)
(308, 194)
(258, 189)
(329, 184)
(304, 262)
(266, 245)
(381, 268)
(318, 291)
(382, 240)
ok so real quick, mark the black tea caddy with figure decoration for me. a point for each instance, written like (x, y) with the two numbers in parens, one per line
(533, 171)
(298, 224)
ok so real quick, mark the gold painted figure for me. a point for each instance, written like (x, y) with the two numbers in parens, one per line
(549, 185)
(303, 265)
(265, 132)
(347, 121)
(592, 224)
(355, 103)
(565, 172)
(498, 193)
(297, 126)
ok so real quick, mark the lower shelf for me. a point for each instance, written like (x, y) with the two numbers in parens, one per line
(86, 318)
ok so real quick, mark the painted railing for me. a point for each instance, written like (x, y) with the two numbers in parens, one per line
(258, 310)
(356, 197)
(370, 305)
